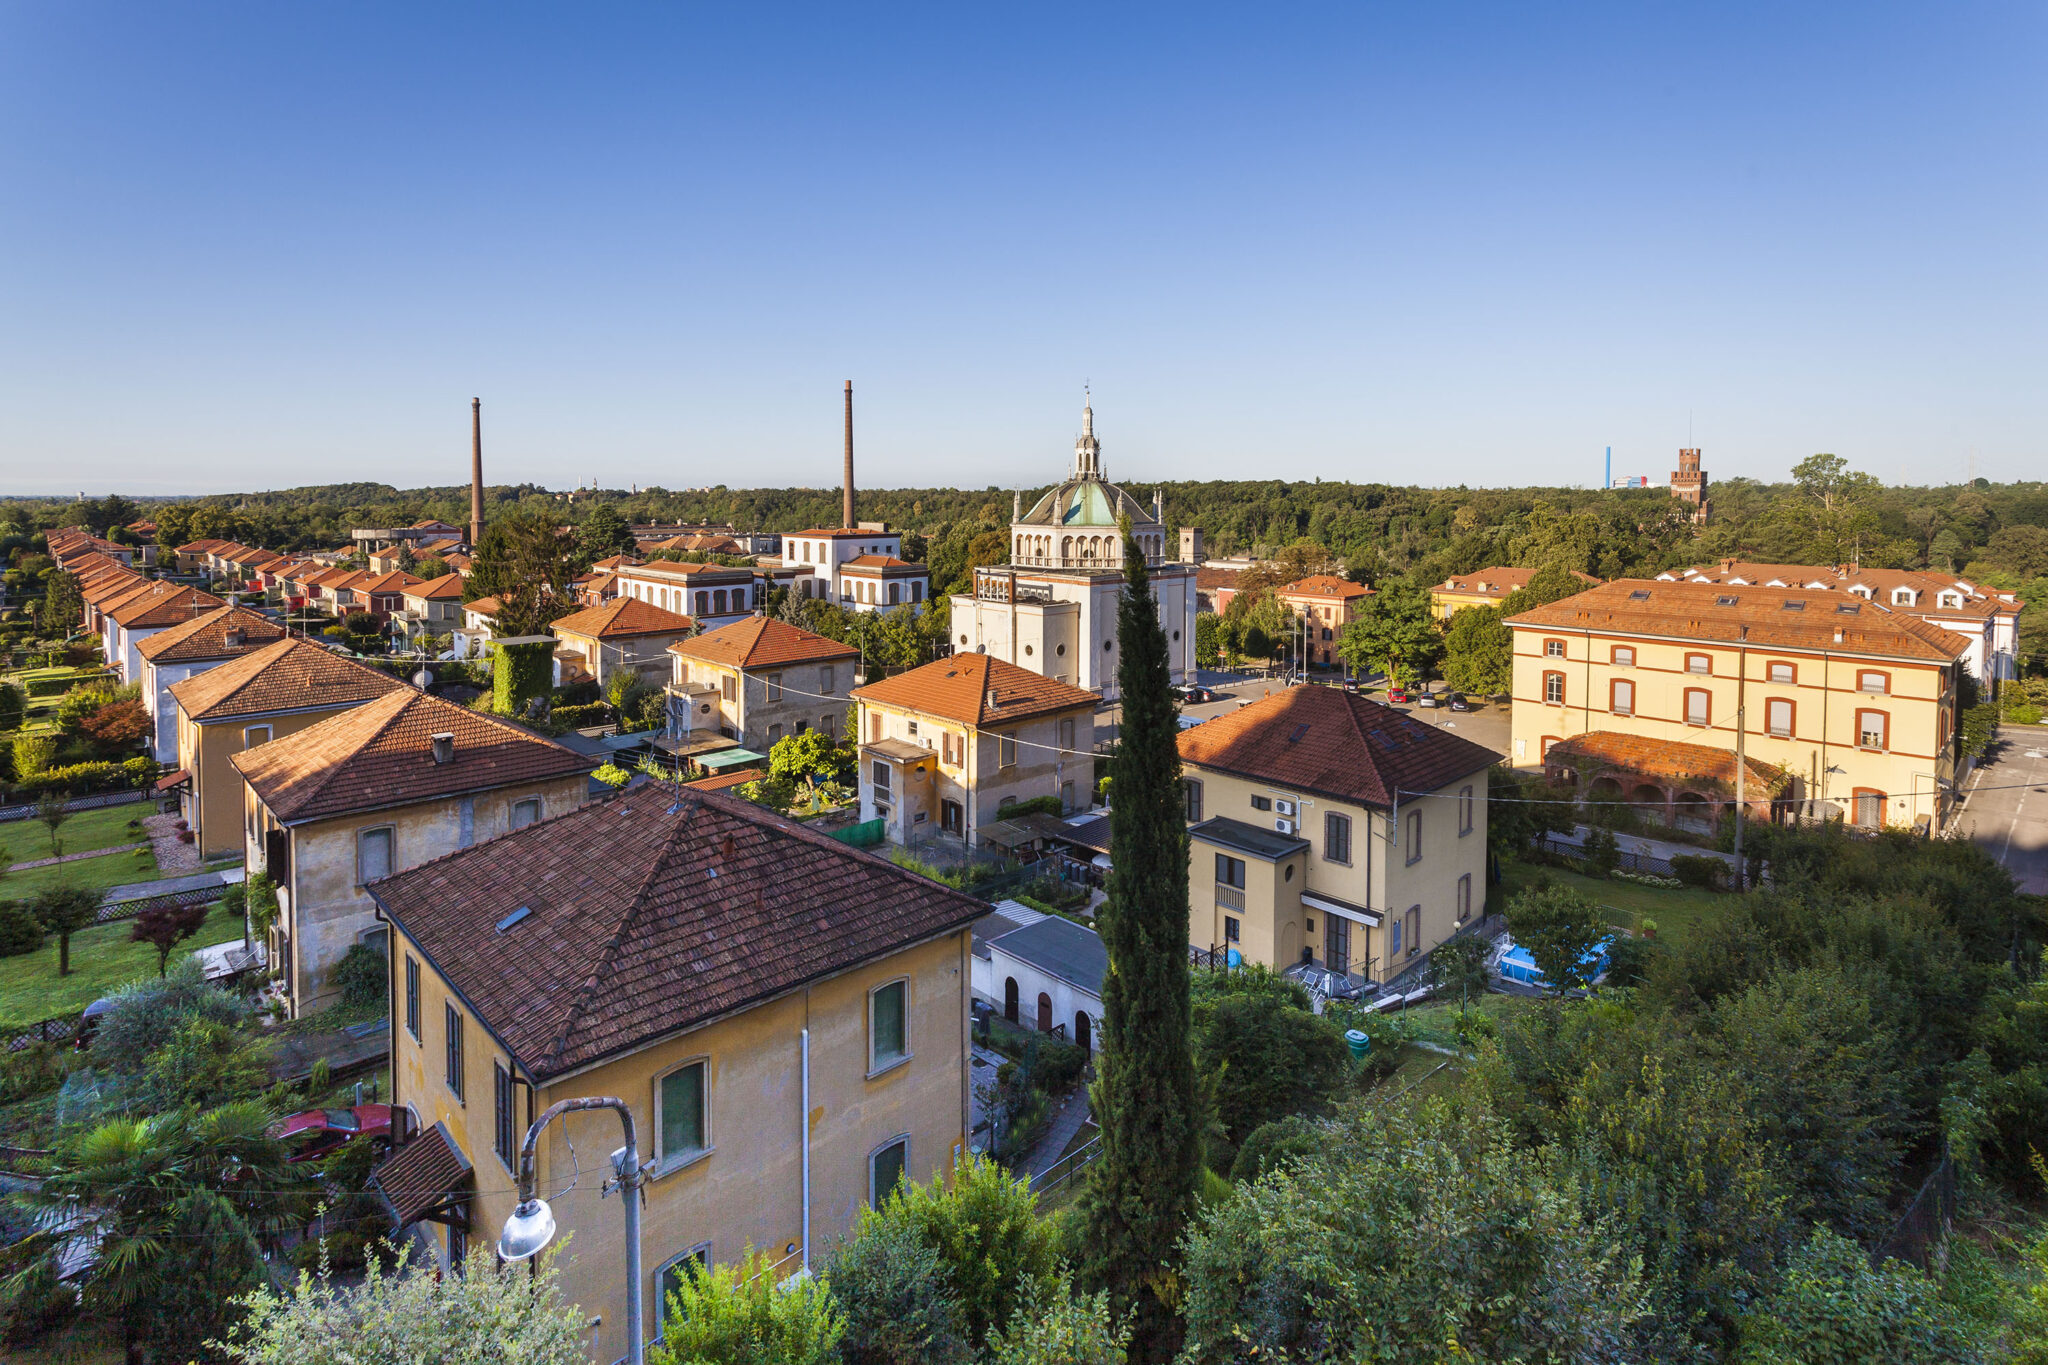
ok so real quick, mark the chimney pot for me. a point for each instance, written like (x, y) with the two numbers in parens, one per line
(444, 747)
(234, 639)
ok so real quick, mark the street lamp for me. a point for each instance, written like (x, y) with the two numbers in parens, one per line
(532, 1224)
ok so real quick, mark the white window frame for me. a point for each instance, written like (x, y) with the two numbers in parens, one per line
(512, 813)
(665, 1160)
(1006, 751)
(900, 1140)
(248, 730)
(876, 1065)
(700, 1253)
(390, 833)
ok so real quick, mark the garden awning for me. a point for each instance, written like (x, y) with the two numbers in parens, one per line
(425, 1176)
(172, 781)
(731, 758)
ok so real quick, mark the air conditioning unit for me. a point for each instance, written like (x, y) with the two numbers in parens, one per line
(1284, 807)
(1284, 826)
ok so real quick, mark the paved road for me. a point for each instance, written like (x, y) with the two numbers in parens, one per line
(2005, 807)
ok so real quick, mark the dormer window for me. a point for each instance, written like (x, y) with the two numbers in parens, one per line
(1902, 597)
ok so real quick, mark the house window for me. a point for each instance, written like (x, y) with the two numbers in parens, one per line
(703, 603)
(255, 735)
(913, 729)
(874, 725)
(1006, 751)
(1873, 730)
(671, 1278)
(1414, 836)
(1624, 656)
(727, 688)
(1553, 649)
(825, 680)
(1699, 663)
(1262, 803)
(881, 776)
(888, 1043)
(412, 997)
(886, 1168)
(1393, 938)
(373, 854)
(1699, 706)
(1781, 672)
(1337, 838)
(526, 812)
(1621, 697)
(1553, 689)
(1873, 682)
(1867, 807)
(828, 725)
(1464, 897)
(1414, 930)
(1194, 791)
(775, 687)
(774, 734)
(1232, 930)
(452, 1024)
(1230, 871)
(1464, 811)
(680, 1113)
(1067, 733)
(501, 1113)
(1778, 717)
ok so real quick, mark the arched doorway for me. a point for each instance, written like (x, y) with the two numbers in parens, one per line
(1010, 999)
(1649, 802)
(1044, 1012)
(1082, 1038)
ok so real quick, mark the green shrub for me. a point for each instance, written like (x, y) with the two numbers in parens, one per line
(613, 776)
(57, 687)
(1271, 1144)
(76, 779)
(742, 1315)
(1835, 1309)
(891, 1285)
(33, 755)
(362, 976)
(577, 693)
(1037, 805)
(1699, 870)
(20, 931)
(578, 716)
(1601, 854)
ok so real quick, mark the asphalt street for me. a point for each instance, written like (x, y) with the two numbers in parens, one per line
(2005, 805)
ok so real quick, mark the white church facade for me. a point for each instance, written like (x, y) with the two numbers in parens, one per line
(1052, 609)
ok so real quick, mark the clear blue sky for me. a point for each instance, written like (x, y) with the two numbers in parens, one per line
(268, 244)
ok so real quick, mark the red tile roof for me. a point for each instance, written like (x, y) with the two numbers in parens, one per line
(206, 637)
(381, 754)
(1333, 743)
(424, 1174)
(761, 642)
(290, 675)
(976, 689)
(166, 604)
(1726, 614)
(1324, 585)
(448, 587)
(837, 533)
(650, 913)
(1664, 760)
(880, 562)
(396, 581)
(622, 617)
(1500, 580)
(722, 781)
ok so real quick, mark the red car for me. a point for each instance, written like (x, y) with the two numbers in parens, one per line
(1397, 694)
(318, 1132)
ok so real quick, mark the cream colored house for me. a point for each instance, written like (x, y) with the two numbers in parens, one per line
(1850, 703)
(185, 651)
(379, 788)
(757, 681)
(946, 748)
(624, 634)
(644, 947)
(264, 695)
(1330, 829)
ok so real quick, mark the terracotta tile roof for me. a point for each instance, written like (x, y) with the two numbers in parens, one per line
(424, 1174)
(484, 606)
(200, 547)
(139, 591)
(104, 590)
(837, 533)
(976, 689)
(381, 754)
(86, 565)
(1926, 586)
(448, 587)
(761, 642)
(1324, 585)
(343, 580)
(1665, 760)
(879, 562)
(622, 617)
(616, 562)
(1500, 580)
(1722, 613)
(166, 604)
(652, 912)
(289, 675)
(396, 581)
(207, 637)
(669, 568)
(1333, 743)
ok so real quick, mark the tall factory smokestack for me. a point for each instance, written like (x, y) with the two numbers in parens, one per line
(846, 493)
(476, 473)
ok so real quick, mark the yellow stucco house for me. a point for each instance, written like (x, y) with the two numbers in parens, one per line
(374, 790)
(1632, 690)
(714, 966)
(757, 681)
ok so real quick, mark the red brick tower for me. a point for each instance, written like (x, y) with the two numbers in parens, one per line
(1689, 484)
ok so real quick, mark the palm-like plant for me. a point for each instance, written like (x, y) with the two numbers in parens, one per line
(172, 1214)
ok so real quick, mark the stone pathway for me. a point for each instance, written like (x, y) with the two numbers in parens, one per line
(74, 857)
(172, 855)
(1066, 1121)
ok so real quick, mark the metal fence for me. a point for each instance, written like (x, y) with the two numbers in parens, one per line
(77, 804)
(1062, 1172)
(61, 1029)
(173, 900)
(1624, 859)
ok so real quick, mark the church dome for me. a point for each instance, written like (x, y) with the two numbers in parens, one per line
(1086, 499)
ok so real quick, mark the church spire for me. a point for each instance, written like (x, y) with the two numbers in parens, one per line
(1087, 450)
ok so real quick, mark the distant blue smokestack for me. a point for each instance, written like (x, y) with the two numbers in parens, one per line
(1610, 468)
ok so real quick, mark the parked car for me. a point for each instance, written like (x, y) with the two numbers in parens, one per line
(1458, 701)
(1193, 695)
(1397, 694)
(317, 1132)
(1429, 699)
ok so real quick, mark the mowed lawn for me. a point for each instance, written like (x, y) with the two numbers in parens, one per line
(96, 873)
(107, 827)
(103, 958)
(1675, 909)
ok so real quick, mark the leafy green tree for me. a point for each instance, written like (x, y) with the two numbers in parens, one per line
(63, 604)
(810, 757)
(13, 706)
(1263, 1054)
(1413, 1237)
(1479, 652)
(1560, 928)
(896, 1296)
(1457, 967)
(1395, 631)
(51, 812)
(2021, 551)
(526, 561)
(1553, 582)
(407, 561)
(1835, 1308)
(475, 1314)
(1208, 641)
(603, 533)
(64, 910)
(33, 754)
(743, 1315)
(182, 1207)
(1141, 1191)
(1057, 1326)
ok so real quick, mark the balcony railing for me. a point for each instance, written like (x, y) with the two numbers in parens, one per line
(1229, 897)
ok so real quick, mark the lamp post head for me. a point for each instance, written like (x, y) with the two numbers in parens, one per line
(531, 1227)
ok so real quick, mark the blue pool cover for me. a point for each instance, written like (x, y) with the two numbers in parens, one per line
(1517, 965)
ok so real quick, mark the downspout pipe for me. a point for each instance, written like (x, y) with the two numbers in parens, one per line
(807, 1147)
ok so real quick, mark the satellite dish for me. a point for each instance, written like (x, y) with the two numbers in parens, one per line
(422, 679)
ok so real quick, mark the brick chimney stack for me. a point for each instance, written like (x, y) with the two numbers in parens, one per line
(476, 473)
(846, 491)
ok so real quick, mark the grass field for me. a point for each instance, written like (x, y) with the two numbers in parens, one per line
(102, 958)
(99, 873)
(83, 832)
(1676, 910)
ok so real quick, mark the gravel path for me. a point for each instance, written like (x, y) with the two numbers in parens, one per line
(172, 855)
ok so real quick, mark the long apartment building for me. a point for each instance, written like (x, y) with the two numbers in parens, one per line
(1633, 690)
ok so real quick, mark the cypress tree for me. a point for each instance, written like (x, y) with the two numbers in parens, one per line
(1141, 1192)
